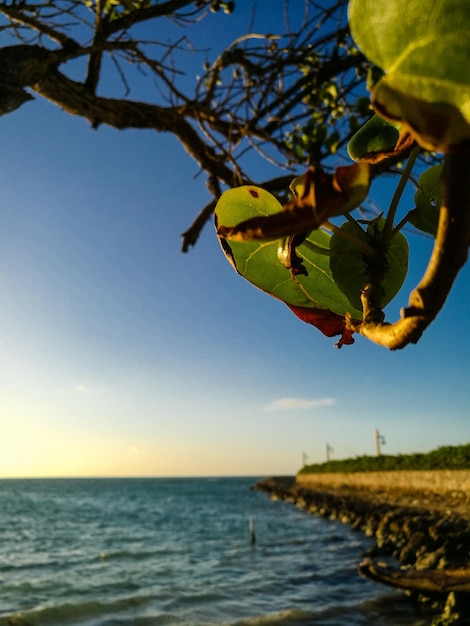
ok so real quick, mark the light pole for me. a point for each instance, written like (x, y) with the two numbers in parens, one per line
(379, 439)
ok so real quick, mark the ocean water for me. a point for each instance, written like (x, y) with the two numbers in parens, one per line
(149, 552)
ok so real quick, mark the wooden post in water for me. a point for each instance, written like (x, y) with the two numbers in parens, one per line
(251, 525)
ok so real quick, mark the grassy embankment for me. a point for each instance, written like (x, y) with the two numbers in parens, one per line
(440, 471)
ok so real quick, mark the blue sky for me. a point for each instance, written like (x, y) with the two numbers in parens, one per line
(122, 356)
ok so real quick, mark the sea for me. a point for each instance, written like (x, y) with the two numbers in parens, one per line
(180, 551)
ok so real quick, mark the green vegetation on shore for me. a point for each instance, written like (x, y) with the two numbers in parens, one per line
(443, 458)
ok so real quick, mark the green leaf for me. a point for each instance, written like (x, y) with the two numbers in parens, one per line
(424, 49)
(351, 268)
(428, 199)
(260, 262)
(378, 139)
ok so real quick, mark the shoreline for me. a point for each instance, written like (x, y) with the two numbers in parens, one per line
(423, 530)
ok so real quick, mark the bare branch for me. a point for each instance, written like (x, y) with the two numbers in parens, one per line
(96, 56)
(145, 14)
(19, 16)
(254, 95)
(76, 99)
(191, 235)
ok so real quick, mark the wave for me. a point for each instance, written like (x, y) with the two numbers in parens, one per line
(289, 617)
(77, 612)
(387, 610)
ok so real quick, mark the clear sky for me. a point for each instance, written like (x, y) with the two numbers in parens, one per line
(122, 356)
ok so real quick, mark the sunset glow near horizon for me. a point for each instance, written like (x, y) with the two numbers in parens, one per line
(121, 356)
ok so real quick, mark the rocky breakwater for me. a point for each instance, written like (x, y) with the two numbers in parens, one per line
(427, 530)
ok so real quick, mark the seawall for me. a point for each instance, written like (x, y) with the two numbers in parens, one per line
(456, 482)
(425, 527)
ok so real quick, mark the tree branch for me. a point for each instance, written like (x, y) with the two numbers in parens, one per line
(190, 236)
(254, 93)
(143, 15)
(15, 14)
(76, 99)
(96, 55)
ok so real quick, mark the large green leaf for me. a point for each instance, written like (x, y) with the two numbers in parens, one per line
(424, 48)
(261, 262)
(351, 268)
(428, 199)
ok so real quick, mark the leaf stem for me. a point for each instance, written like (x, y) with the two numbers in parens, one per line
(359, 243)
(400, 224)
(388, 231)
(317, 249)
(326, 251)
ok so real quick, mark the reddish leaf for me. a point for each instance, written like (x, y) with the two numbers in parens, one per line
(329, 323)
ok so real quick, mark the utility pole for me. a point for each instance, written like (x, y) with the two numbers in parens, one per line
(379, 439)
(304, 459)
(329, 449)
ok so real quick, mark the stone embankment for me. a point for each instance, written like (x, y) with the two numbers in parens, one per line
(422, 519)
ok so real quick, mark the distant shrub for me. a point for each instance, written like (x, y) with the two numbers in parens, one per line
(445, 457)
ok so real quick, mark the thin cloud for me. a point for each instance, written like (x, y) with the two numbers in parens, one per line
(83, 388)
(283, 404)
